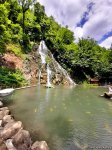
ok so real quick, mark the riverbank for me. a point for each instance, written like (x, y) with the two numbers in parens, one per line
(12, 133)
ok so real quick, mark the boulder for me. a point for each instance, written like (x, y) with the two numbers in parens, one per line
(1, 104)
(1, 99)
(40, 146)
(11, 129)
(7, 119)
(2, 145)
(1, 123)
(22, 140)
(4, 108)
(10, 145)
(3, 111)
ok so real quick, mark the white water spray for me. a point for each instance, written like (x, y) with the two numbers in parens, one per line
(39, 77)
(65, 73)
(48, 77)
(42, 51)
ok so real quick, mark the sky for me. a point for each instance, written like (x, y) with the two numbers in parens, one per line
(86, 18)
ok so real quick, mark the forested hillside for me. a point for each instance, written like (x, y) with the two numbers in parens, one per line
(24, 23)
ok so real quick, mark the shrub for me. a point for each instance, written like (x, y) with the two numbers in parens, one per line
(11, 78)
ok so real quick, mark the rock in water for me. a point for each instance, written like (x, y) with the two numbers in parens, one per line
(3, 111)
(1, 104)
(11, 129)
(10, 145)
(40, 146)
(2, 145)
(22, 140)
(1, 122)
(7, 119)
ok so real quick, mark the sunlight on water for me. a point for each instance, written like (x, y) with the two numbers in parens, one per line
(68, 119)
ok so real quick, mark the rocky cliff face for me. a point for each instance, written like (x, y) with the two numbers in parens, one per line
(39, 67)
(49, 71)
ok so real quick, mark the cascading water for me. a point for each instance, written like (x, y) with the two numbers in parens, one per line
(48, 77)
(43, 52)
(42, 48)
(63, 71)
(39, 77)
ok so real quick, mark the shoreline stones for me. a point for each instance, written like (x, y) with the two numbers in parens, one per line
(13, 136)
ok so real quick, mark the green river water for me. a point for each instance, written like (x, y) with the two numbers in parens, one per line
(67, 118)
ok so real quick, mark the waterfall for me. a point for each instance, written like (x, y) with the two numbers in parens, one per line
(48, 77)
(42, 51)
(39, 77)
(63, 71)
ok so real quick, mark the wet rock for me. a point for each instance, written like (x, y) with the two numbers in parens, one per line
(10, 145)
(43, 81)
(11, 129)
(1, 99)
(22, 140)
(1, 104)
(3, 111)
(4, 108)
(40, 146)
(1, 123)
(7, 119)
(2, 145)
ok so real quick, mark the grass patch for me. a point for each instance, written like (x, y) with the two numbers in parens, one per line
(16, 49)
(85, 84)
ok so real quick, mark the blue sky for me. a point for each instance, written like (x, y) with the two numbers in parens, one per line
(86, 18)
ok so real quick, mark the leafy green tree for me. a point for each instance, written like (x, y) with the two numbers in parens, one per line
(39, 12)
(4, 23)
(15, 9)
(25, 7)
(65, 36)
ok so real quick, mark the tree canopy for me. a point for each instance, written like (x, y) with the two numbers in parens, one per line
(25, 22)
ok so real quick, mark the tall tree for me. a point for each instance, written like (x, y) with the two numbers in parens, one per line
(25, 6)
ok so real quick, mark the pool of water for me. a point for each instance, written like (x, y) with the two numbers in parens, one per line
(67, 118)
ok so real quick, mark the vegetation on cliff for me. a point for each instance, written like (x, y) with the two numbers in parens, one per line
(23, 23)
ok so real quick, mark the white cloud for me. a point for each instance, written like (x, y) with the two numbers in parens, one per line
(99, 22)
(67, 12)
(70, 12)
(78, 32)
(107, 43)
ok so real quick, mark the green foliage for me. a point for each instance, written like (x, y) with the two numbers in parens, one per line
(26, 43)
(39, 12)
(48, 60)
(65, 36)
(11, 78)
(86, 85)
(15, 9)
(23, 22)
(93, 57)
(16, 49)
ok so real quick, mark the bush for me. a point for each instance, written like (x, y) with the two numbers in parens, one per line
(11, 78)
(26, 43)
(15, 48)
